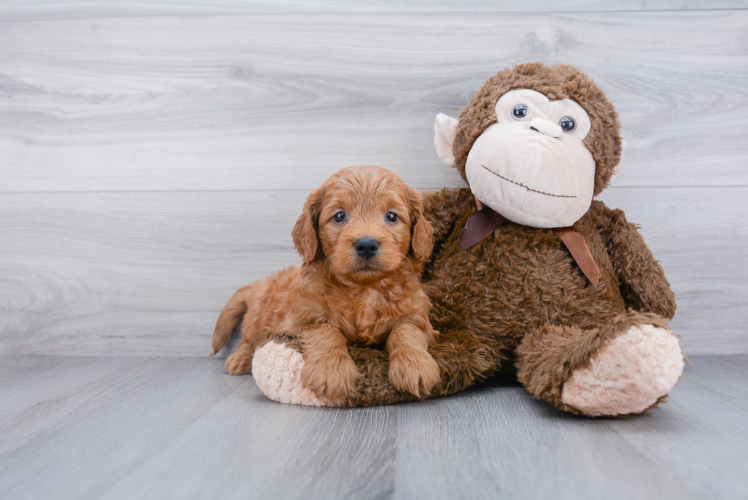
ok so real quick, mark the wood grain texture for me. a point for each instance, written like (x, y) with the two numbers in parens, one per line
(155, 155)
(181, 428)
(275, 101)
(148, 273)
(70, 8)
(133, 273)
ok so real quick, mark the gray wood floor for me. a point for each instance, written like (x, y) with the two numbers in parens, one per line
(90, 427)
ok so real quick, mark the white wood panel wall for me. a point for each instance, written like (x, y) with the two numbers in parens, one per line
(153, 157)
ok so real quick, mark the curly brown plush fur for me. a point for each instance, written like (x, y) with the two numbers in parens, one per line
(517, 301)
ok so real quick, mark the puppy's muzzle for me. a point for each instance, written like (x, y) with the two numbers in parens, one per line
(366, 247)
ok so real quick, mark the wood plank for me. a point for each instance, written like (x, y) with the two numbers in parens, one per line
(29, 407)
(182, 428)
(96, 439)
(66, 9)
(148, 273)
(273, 101)
(271, 451)
(519, 449)
(707, 393)
(139, 273)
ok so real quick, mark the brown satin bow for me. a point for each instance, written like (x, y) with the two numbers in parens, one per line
(485, 221)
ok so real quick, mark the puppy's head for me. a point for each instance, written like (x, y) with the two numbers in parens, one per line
(364, 223)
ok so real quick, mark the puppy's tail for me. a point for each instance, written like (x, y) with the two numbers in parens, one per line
(229, 317)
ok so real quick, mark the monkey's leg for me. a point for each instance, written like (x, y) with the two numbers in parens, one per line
(624, 367)
(463, 360)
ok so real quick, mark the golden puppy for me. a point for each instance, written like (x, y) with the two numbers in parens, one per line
(363, 240)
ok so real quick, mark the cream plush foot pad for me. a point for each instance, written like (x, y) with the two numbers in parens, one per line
(628, 375)
(277, 372)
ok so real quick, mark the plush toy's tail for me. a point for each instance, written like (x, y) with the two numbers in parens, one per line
(229, 317)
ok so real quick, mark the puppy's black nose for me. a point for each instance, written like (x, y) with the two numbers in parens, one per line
(366, 247)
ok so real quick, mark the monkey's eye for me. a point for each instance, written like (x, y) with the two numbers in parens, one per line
(567, 123)
(339, 217)
(519, 112)
(391, 217)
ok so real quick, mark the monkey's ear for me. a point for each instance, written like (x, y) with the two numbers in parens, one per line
(305, 232)
(445, 128)
(617, 167)
(421, 232)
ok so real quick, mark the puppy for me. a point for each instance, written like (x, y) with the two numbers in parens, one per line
(363, 240)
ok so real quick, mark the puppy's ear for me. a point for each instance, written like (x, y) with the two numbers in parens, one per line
(421, 232)
(306, 230)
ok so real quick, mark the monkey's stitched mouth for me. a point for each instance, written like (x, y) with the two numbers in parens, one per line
(527, 187)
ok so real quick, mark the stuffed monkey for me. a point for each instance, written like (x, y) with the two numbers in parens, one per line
(529, 273)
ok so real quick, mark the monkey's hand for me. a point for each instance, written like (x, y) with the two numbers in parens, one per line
(643, 283)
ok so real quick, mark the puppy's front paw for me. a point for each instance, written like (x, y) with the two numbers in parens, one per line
(413, 371)
(333, 376)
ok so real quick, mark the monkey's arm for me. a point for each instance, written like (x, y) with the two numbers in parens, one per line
(642, 280)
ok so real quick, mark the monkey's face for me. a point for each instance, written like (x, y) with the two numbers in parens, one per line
(532, 166)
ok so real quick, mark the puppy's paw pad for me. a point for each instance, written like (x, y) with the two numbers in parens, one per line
(333, 377)
(413, 371)
(628, 375)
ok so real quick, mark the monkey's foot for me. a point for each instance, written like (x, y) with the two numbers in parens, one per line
(628, 375)
(277, 372)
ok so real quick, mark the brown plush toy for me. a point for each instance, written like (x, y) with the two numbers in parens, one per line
(542, 280)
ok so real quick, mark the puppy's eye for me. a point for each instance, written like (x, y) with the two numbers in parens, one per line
(519, 111)
(391, 217)
(567, 123)
(339, 217)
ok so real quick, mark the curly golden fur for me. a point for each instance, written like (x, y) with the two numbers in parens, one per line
(343, 294)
